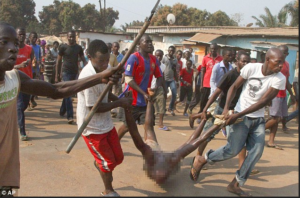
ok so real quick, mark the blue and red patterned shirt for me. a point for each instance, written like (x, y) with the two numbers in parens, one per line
(142, 71)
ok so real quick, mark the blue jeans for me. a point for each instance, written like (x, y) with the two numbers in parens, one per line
(22, 104)
(252, 132)
(292, 115)
(67, 104)
(173, 88)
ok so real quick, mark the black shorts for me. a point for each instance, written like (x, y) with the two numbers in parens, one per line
(139, 114)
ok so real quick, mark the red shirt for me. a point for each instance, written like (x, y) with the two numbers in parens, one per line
(208, 62)
(286, 72)
(23, 55)
(199, 68)
(180, 65)
(186, 76)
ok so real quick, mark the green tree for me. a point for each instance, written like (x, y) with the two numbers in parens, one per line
(220, 18)
(186, 16)
(67, 15)
(91, 18)
(267, 20)
(17, 12)
(292, 9)
(280, 20)
(110, 17)
(70, 15)
(198, 17)
(160, 16)
(49, 18)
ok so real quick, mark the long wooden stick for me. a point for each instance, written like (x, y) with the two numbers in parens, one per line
(109, 85)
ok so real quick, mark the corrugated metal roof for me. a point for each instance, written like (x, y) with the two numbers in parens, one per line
(203, 37)
(221, 30)
(274, 43)
(291, 32)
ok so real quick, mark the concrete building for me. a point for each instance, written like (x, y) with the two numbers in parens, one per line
(256, 40)
(84, 38)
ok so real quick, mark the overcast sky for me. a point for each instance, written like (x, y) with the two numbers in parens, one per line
(130, 10)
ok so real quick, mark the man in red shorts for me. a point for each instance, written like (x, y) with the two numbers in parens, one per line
(100, 134)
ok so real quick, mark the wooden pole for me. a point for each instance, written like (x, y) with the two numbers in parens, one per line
(109, 85)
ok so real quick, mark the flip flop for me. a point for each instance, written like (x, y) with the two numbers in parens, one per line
(112, 194)
(240, 194)
(254, 172)
(164, 128)
(275, 146)
(194, 176)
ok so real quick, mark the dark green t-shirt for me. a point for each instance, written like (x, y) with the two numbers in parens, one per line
(70, 55)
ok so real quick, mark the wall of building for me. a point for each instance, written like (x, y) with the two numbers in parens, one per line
(87, 37)
(175, 39)
(245, 42)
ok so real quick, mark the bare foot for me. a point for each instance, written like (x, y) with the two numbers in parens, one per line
(233, 187)
(191, 121)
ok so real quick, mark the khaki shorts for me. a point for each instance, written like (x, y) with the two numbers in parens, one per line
(159, 101)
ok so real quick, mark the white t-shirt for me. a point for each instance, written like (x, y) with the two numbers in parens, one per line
(162, 68)
(101, 122)
(256, 86)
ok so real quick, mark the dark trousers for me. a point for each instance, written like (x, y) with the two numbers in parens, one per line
(67, 104)
(204, 97)
(22, 104)
(196, 98)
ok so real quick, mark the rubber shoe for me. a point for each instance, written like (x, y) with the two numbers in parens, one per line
(172, 113)
(70, 121)
(24, 138)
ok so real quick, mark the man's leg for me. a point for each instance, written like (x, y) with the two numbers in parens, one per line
(292, 115)
(276, 112)
(273, 130)
(123, 130)
(68, 101)
(235, 142)
(189, 94)
(22, 104)
(173, 99)
(242, 156)
(196, 99)
(204, 98)
(160, 107)
(255, 145)
(105, 160)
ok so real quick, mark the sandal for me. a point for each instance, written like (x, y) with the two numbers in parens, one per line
(112, 194)
(240, 194)
(275, 146)
(194, 176)
(164, 128)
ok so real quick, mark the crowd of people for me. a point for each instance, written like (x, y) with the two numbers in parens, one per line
(230, 89)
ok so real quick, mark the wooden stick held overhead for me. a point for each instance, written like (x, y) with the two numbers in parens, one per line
(109, 85)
